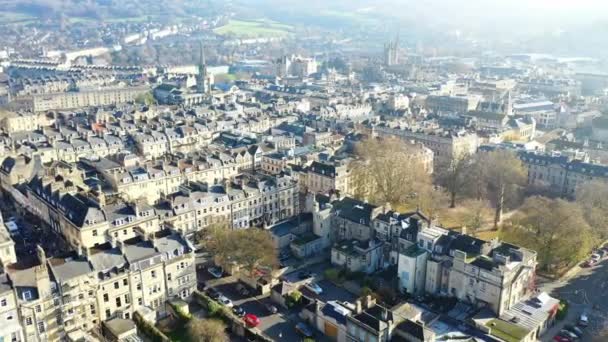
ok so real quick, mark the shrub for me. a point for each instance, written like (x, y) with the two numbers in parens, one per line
(332, 275)
(179, 312)
(149, 330)
(562, 311)
(366, 291)
(293, 298)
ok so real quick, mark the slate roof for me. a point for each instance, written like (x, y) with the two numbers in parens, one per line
(372, 317)
(327, 170)
(67, 269)
(354, 210)
(412, 328)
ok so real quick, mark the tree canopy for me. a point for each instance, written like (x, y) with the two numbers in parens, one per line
(250, 248)
(388, 171)
(206, 330)
(556, 229)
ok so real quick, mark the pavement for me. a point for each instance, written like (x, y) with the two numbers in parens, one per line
(585, 289)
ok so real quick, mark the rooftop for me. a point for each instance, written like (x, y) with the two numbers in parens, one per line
(506, 331)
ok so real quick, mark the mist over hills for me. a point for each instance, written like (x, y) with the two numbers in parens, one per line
(557, 26)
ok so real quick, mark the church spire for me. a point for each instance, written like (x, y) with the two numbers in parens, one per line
(201, 81)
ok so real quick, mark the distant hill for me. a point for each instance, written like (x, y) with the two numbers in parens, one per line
(109, 9)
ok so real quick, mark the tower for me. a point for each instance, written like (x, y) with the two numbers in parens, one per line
(391, 56)
(202, 85)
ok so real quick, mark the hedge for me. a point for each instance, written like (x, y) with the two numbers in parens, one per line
(214, 308)
(153, 333)
(179, 312)
(562, 311)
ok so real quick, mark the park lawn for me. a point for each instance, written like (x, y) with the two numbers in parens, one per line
(255, 28)
(487, 235)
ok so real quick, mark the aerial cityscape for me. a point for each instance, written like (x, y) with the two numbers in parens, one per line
(264, 170)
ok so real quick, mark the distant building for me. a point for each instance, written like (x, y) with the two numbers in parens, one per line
(561, 173)
(297, 66)
(391, 53)
(88, 98)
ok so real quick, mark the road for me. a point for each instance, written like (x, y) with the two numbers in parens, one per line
(586, 292)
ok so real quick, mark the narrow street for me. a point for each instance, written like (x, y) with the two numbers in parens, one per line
(585, 293)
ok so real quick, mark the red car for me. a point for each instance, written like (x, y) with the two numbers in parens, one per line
(560, 338)
(252, 320)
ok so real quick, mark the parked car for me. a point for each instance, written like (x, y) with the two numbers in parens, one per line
(314, 287)
(216, 272)
(567, 333)
(304, 329)
(213, 293)
(560, 338)
(225, 301)
(242, 289)
(583, 320)
(304, 274)
(238, 311)
(252, 320)
(596, 256)
(576, 330)
(271, 308)
(589, 263)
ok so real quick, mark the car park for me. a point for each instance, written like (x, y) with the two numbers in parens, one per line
(271, 308)
(213, 293)
(242, 289)
(583, 320)
(225, 301)
(304, 329)
(576, 330)
(252, 320)
(314, 287)
(572, 336)
(560, 338)
(216, 272)
(238, 311)
(304, 275)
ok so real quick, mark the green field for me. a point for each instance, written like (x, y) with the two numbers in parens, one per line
(7, 17)
(254, 29)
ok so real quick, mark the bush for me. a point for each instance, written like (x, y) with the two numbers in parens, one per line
(214, 308)
(149, 330)
(293, 298)
(562, 311)
(179, 312)
(332, 275)
(366, 291)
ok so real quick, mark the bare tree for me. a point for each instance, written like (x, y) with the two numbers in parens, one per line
(388, 171)
(453, 176)
(593, 198)
(475, 215)
(554, 228)
(497, 175)
(207, 330)
(250, 248)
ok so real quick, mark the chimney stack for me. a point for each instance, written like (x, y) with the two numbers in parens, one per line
(358, 309)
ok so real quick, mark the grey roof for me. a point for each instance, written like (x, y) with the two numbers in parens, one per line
(172, 245)
(107, 259)
(67, 269)
(138, 251)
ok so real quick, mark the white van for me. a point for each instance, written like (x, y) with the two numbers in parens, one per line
(12, 227)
